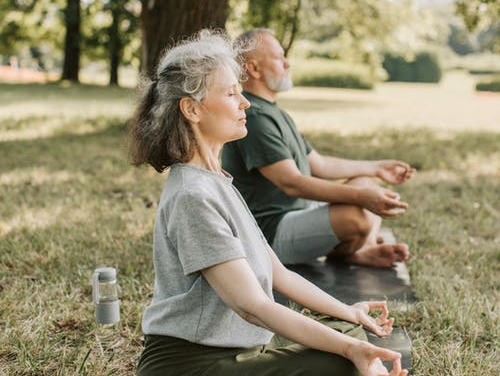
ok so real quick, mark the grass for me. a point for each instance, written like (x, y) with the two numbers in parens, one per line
(330, 73)
(70, 203)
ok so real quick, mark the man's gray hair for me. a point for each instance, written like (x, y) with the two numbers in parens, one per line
(247, 42)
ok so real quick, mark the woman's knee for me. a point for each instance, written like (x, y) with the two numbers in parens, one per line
(325, 364)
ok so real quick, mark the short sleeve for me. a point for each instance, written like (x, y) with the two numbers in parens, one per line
(309, 148)
(263, 145)
(307, 145)
(199, 230)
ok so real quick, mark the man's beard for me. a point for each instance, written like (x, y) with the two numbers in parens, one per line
(278, 83)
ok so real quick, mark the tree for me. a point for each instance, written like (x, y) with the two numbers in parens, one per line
(166, 21)
(281, 16)
(482, 15)
(110, 27)
(28, 28)
(71, 65)
(115, 42)
(121, 31)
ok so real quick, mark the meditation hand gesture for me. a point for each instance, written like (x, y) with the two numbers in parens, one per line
(393, 172)
(367, 359)
(381, 325)
(383, 202)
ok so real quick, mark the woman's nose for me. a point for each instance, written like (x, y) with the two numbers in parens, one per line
(244, 104)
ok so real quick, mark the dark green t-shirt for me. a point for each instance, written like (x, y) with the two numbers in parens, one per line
(272, 137)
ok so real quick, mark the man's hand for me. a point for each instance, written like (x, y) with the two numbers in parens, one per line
(382, 202)
(393, 172)
(381, 325)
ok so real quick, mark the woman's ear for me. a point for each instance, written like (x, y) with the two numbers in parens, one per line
(189, 109)
(253, 69)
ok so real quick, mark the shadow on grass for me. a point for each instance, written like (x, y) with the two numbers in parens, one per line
(15, 93)
(73, 197)
(60, 230)
(96, 161)
(423, 148)
(64, 149)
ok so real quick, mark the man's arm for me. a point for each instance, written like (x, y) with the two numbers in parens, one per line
(327, 167)
(287, 177)
(389, 170)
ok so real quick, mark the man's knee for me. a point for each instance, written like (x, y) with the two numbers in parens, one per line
(362, 181)
(350, 223)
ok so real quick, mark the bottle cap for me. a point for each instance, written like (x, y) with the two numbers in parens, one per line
(106, 274)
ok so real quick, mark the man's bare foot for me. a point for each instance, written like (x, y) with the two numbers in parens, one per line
(380, 255)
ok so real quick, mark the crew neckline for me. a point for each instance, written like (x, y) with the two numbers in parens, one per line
(227, 177)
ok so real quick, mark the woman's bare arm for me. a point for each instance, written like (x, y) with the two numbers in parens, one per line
(237, 286)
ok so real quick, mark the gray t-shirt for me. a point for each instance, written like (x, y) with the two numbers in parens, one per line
(202, 221)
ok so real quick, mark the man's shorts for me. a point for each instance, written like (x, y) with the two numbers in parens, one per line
(304, 235)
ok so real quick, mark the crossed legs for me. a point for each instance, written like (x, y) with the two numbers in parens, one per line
(357, 229)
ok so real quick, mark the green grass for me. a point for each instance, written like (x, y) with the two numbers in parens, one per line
(330, 73)
(71, 202)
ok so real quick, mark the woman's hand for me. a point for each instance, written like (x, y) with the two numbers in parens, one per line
(367, 359)
(381, 325)
(393, 172)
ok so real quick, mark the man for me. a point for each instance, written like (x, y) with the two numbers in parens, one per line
(287, 184)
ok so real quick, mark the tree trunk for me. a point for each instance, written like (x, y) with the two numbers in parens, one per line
(115, 46)
(72, 41)
(163, 22)
(294, 27)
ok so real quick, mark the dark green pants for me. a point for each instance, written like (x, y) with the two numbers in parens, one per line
(168, 356)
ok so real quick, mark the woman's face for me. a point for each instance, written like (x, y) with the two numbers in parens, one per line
(222, 112)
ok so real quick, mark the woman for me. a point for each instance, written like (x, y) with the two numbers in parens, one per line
(213, 311)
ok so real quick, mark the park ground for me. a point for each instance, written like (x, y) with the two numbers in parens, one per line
(70, 202)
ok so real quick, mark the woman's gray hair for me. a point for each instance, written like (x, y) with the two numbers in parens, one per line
(159, 133)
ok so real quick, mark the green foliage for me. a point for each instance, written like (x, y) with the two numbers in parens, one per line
(482, 14)
(492, 85)
(460, 41)
(36, 24)
(340, 80)
(350, 30)
(328, 73)
(477, 63)
(424, 68)
(97, 30)
(484, 71)
(281, 16)
(489, 38)
(35, 30)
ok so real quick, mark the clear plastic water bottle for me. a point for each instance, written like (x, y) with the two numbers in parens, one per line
(107, 309)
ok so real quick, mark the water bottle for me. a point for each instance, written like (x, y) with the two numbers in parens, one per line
(107, 309)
